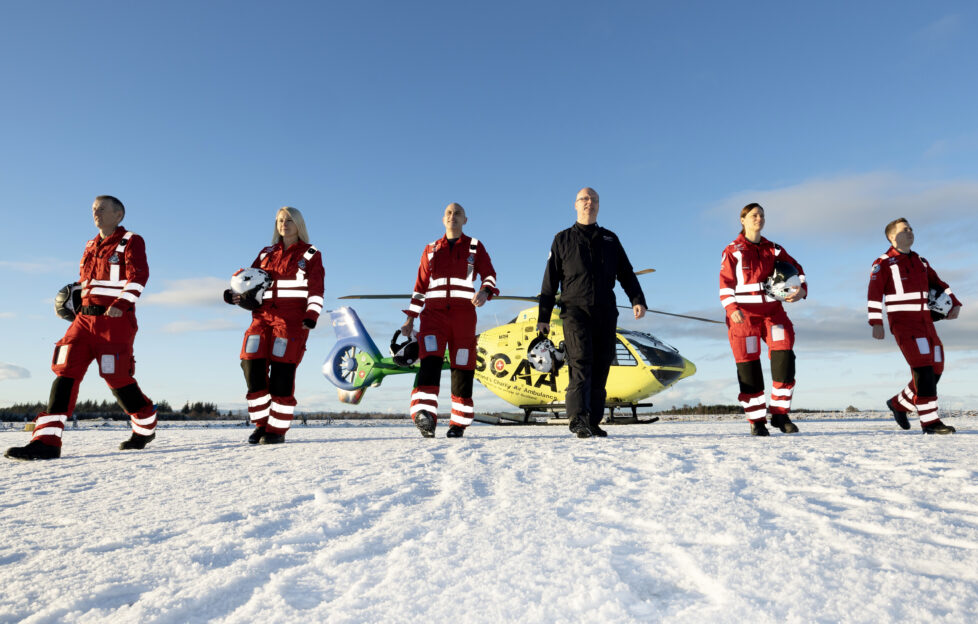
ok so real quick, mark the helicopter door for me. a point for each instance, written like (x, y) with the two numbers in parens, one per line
(623, 357)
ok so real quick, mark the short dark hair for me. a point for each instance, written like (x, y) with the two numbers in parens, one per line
(892, 226)
(112, 200)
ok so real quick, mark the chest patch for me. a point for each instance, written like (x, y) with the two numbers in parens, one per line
(114, 259)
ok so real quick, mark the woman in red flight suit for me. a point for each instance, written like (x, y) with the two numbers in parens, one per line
(753, 316)
(276, 340)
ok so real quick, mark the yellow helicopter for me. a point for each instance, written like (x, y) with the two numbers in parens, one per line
(643, 364)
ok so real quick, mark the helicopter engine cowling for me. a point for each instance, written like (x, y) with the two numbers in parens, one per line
(351, 397)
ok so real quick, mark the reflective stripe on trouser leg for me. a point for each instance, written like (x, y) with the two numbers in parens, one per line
(755, 407)
(781, 397)
(425, 398)
(927, 409)
(259, 404)
(906, 397)
(48, 428)
(144, 421)
(462, 411)
(280, 414)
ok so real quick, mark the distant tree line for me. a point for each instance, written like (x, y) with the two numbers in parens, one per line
(86, 410)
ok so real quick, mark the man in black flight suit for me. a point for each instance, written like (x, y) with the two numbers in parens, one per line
(585, 259)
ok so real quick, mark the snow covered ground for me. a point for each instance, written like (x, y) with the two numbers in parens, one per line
(851, 520)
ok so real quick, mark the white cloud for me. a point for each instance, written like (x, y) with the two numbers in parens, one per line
(850, 205)
(40, 266)
(940, 30)
(183, 327)
(10, 371)
(205, 291)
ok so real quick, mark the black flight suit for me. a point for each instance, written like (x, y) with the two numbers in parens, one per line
(584, 262)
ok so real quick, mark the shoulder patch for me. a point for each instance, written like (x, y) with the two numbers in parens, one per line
(876, 268)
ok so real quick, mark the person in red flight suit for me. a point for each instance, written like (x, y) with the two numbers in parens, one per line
(275, 341)
(113, 273)
(753, 316)
(445, 298)
(902, 280)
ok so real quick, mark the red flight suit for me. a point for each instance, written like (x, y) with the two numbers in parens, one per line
(743, 269)
(902, 281)
(276, 333)
(112, 272)
(442, 298)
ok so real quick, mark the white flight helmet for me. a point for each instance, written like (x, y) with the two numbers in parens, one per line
(543, 356)
(783, 282)
(251, 284)
(939, 303)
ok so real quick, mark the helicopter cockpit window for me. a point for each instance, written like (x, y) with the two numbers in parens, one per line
(653, 351)
(623, 357)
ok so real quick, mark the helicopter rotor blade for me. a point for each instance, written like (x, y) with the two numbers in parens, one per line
(375, 297)
(644, 271)
(685, 316)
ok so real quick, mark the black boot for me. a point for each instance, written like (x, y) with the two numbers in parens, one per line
(899, 416)
(425, 422)
(597, 431)
(137, 442)
(34, 450)
(255, 436)
(455, 431)
(782, 422)
(937, 427)
(758, 428)
(580, 427)
(272, 438)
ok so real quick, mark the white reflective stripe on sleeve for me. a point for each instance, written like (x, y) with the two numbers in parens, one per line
(910, 296)
(875, 305)
(727, 291)
(128, 297)
(316, 299)
(296, 283)
(417, 295)
(141, 430)
(292, 294)
(282, 409)
(489, 280)
(455, 281)
(436, 282)
(875, 316)
(728, 301)
(414, 308)
(314, 307)
(135, 286)
(904, 307)
(50, 418)
(461, 407)
(278, 423)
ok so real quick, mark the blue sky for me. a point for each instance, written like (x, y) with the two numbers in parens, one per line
(370, 117)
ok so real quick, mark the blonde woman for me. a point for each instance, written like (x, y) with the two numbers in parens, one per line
(276, 340)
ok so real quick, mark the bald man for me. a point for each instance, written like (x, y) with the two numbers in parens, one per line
(584, 262)
(445, 299)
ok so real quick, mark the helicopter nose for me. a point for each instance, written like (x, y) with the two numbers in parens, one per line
(689, 369)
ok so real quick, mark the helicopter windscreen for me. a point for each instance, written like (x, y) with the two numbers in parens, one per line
(653, 351)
